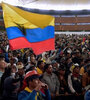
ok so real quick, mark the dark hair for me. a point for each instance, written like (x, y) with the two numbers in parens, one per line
(39, 63)
(62, 67)
(46, 66)
(7, 72)
(88, 65)
(87, 60)
(30, 68)
(67, 58)
(31, 78)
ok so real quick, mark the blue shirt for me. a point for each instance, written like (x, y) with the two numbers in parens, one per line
(27, 94)
(87, 95)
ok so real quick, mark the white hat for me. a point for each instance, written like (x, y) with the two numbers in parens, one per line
(20, 66)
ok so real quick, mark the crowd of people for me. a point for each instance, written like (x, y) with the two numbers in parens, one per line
(61, 74)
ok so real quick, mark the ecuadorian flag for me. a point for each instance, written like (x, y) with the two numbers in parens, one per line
(28, 30)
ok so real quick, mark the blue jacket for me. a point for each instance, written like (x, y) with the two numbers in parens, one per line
(27, 94)
(87, 95)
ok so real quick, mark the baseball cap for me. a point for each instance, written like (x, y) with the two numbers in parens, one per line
(31, 73)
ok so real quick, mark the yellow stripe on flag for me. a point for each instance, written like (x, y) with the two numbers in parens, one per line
(14, 16)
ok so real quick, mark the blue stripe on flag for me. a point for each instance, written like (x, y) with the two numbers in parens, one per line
(14, 32)
(38, 34)
(32, 35)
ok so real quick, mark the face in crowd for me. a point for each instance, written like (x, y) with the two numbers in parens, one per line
(34, 83)
(49, 69)
(76, 70)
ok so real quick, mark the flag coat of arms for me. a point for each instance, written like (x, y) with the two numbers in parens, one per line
(28, 30)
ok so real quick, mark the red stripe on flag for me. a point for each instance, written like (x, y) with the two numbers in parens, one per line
(38, 47)
(19, 43)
